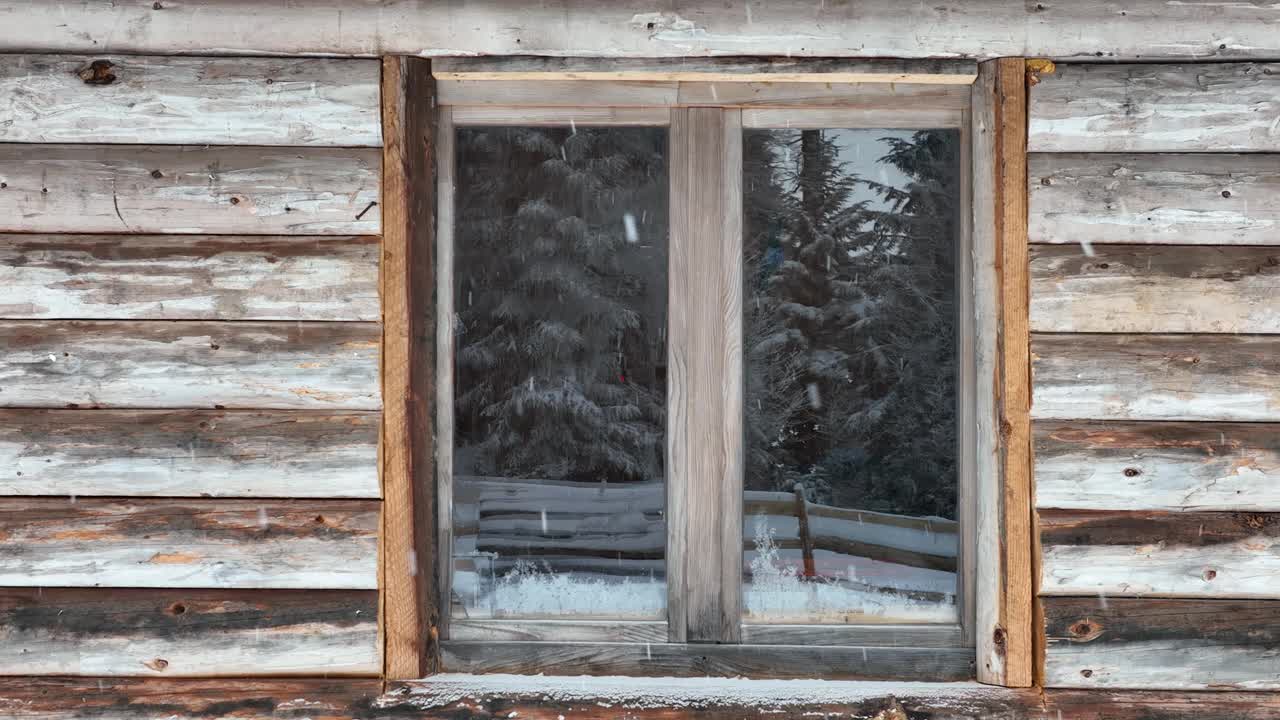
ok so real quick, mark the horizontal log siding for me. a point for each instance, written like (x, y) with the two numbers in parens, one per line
(1155, 274)
(1083, 465)
(176, 277)
(1155, 289)
(189, 189)
(290, 544)
(121, 364)
(1157, 199)
(180, 633)
(1166, 644)
(1157, 108)
(189, 310)
(192, 101)
(189, 453)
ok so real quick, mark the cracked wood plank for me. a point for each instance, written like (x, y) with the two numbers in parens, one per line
(1157, 199)
(181, 189)
(1155, 289)
(1156, 108)
(181, 277)
(1166, 644)
(188, 633)
(126, 364)
(189, 453)
(189, 101)
(1170, 554)
(1157, 466)
(154, 543)
(1156, 377)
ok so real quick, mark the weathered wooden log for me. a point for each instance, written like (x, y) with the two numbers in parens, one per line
(870, 29)
(193, 101)
(1157, 466)
(1188, 554)
(188, 633)
(189, 453)
(189, 364)
(157, 699)
(1146, 705)
(1152, 289)
(1156, 377)
(1166, 199)
(701, 660)
(189, 189)
(166, 277)
(314, 544)
(1156, 108)
(1162, 644)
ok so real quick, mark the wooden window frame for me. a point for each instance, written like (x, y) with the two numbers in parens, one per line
(704, 632)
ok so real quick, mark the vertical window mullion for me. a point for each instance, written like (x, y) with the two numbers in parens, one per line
(705, 440)
(445, 169)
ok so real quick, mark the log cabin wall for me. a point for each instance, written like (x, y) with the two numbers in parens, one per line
(1155, 280)
(189, 388)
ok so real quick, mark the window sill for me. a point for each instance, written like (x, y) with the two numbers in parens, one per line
(514, 696)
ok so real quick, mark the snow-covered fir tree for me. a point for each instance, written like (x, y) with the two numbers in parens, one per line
(560, 293)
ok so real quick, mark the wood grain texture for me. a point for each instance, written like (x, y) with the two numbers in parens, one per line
(167, 277)
(189, 189)
(195, 101)
(792, 28)
(640, 631)
(1158, 199)
(881, 70)
(1149, 705)
(1157, 108)
(189, 364)
(189, 453)
(1163, 644)
(1157, 466)
(557, 116)
(556, 93)
(842, 95)
(159, 699)
(1013, 635)
(917, 636)
(701, 660)
(445, 135)
(1174, 554)
(191, 633)
(1155, 289)
(1156, 377)
(704, 381)
(408, 368)
(311, 544)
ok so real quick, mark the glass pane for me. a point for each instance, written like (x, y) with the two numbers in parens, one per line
(560, 372)
(851, 361)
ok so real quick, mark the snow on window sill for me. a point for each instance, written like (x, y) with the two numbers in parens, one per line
(676, 692)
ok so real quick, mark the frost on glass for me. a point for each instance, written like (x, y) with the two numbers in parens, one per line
(851, 361)
(560, 342)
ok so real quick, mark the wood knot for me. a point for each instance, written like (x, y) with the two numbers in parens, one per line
(178, 609)
(1210, 574)
(98, 72)
(1132, 472)
(1255, 521)
(158, 664)
(1087, 672)
(1000, 638)
(1085, 630)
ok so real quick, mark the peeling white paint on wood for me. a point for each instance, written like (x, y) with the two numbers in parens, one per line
(1163, 199)
(1155, 289)
(785, 28)
(189, 453)
(188, 189)
(189, 365)
(189, 277)
(1156, 377)
(1157, 108)
(330, 544)
(1170, 664)
(1246, 568)
(191, 101)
